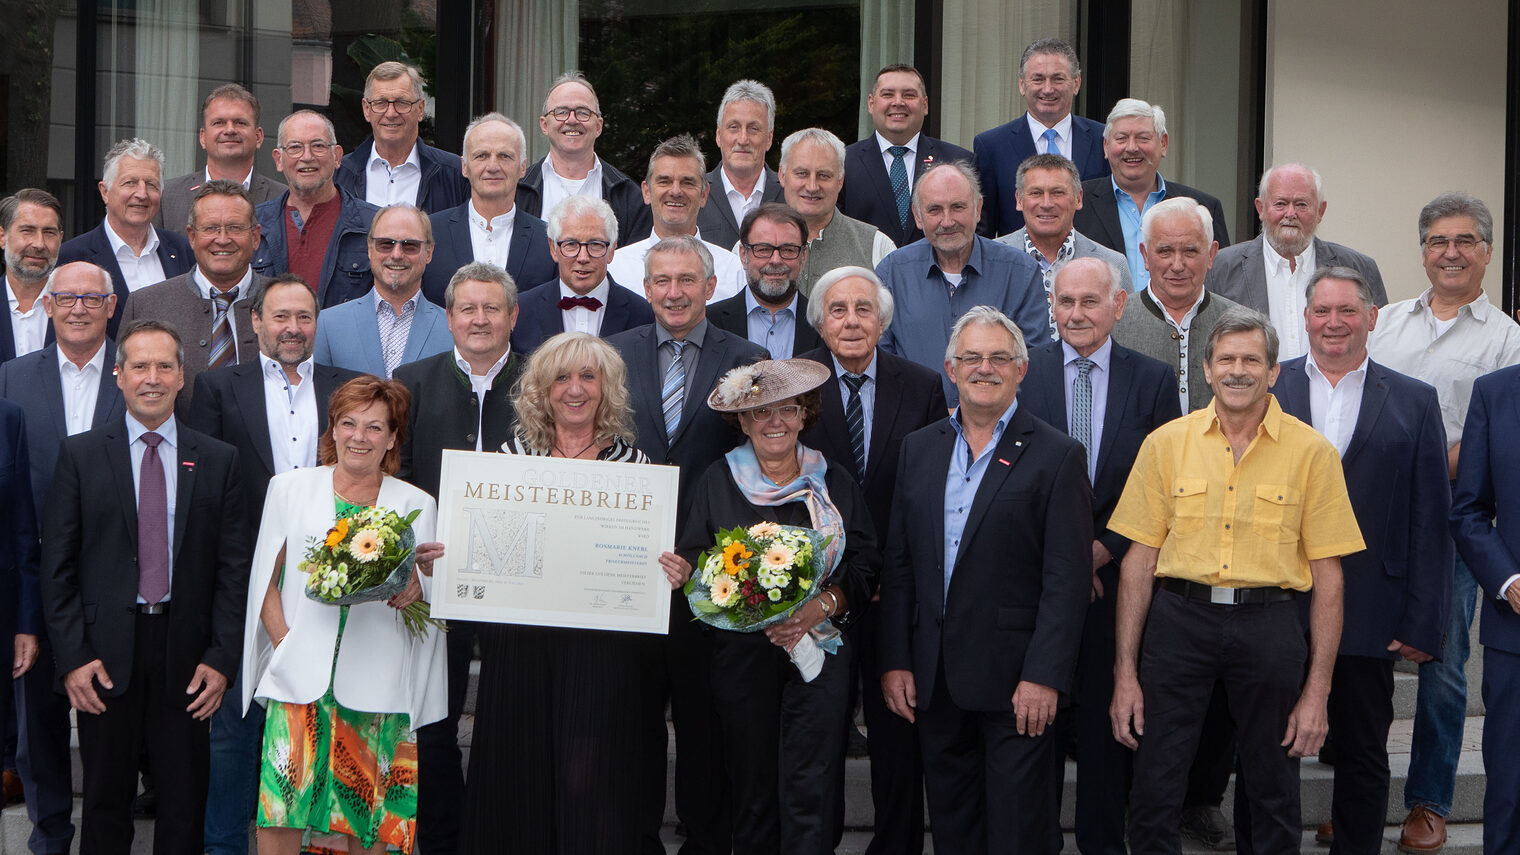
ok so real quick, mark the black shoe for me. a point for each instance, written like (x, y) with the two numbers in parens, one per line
(1206, 827)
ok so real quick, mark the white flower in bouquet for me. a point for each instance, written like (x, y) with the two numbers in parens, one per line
(723, 591)
(763, 530)
(778, 557)
(366, 546)
(774, 594)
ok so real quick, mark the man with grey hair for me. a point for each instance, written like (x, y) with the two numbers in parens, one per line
(31, 230)
(316, 230)
(125, 244)
(571, 121)
(1233, 512)
(812, 175)
(746, 126)
(393, 165)
(770, 312)
(935, 281)
(675, 189)
(982, 669)
(231, 136)
(1448, 337)
(1269, 274)
(1134, 141)
(1049, 78)
(490, 227)
(873, 400)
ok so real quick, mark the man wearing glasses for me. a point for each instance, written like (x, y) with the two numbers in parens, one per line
(209, 305)
(393, 166)
(316, 230)
(571, 121)
(1448, 337)
(771, 312)
(392, 324)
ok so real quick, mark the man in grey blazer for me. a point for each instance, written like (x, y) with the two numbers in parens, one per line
(209, 306)
(742, 182)
(231, 137)
(1269, 274)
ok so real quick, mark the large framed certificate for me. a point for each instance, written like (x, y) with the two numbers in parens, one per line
(554, 542)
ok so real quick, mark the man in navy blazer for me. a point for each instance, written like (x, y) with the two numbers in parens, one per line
(131, 186)
(1049, 78)
(82, 356)
(874, 191)
(393, 165)
(490, 226)
(1485, 519)
(1138, 394)
(741, 182)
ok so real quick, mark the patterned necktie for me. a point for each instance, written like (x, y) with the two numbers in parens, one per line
(1050, 141)
(855, 420)
(1081, 407)
(152, 524)
(673, 390)
(898, 175)
(222, 350)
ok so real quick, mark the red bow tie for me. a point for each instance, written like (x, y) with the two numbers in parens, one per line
(568, 303)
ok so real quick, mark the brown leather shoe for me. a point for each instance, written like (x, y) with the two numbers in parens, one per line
(1324, 834)
(10, 788)
(1424, 831)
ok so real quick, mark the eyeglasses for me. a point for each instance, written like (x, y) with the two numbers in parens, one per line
(65, 300)
(787, 251)
(232, 230)
(563, 114)
(382, 105)
(998, 360)
(385, 246)
(594, 248)
(316, 147)
(788, 412)
(1463, 243)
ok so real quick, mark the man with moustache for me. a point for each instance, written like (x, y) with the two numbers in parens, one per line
(231, 136)
(393, 324)
(271, 410)
(676, 188)
(316, 230)
(571, 121)
(394, 166)
(31, 231)
(1269, 274)
(489, 227)
(812, 175)
(746, 126)
(770, 312)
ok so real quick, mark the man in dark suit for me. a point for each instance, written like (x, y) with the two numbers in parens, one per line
(571, 121)
(232, 404)
(64, 388)
(209, 306)
(1268, 274)
(582, 238)
(1387, 428)
(741, 182)
(145, 653)
(125, 244)
(1108, 398)
(879, 170)
(681, 343)
(975, 648)
(490, 227)
(31, 231)
(872, 400)
(770, 312)
(461, 400)
(1049, 78)
(18, 551)
(1485, 523)
(231, 136)
(393, 166)
(1134, 141)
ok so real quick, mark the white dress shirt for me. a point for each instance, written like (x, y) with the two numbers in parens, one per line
(168, 457)
(1333, 409)
(910, 160)
(491, 240)
(739, 203)
(581, 319)
(292, 414)
(29, 328)
(387, 185)
(1098, 377)
(1285, 298)
(1063, 134)
(481, 383)
(247, 179)
(81, 389)
(627, 268)
(241, 290)
(558, 188)
(139, 271)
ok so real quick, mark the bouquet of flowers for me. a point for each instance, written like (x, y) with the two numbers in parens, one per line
(367, 557)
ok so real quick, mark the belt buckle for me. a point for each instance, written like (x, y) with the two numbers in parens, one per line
(1222, 596)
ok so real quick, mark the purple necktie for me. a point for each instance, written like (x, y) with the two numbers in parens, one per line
(152, 524)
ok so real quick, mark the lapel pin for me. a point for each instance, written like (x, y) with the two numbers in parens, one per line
(1004, 462)
(188, 464)
(1018, 443)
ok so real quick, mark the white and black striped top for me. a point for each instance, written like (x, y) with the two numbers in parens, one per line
(618, 452)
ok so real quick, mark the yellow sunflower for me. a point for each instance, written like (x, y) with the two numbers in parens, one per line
(337, 533)
(735, 558)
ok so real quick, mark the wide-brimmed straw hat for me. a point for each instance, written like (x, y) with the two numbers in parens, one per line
(767, 382)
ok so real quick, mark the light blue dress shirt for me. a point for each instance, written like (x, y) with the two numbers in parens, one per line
(773, 331)
(168, 457)
(962, 481)
(867, 397)
(1129, 221)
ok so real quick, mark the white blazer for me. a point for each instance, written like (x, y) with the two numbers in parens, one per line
(381, 668)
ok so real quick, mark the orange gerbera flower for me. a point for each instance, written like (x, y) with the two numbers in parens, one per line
(337, 533)
(735, 558)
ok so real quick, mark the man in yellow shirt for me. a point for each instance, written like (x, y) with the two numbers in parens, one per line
(1236, 509)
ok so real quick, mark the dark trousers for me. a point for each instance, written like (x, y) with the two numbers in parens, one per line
(1209, 775)
(1361, 713)
(1501, 745)
(1103, 765)
(150, 712)
(991, 791)
(440, 765)
(42, 755)
(897, 767)
(785, 740)
(236, 749)
(1259, 653)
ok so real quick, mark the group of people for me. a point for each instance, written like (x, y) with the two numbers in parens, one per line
(1177, 516)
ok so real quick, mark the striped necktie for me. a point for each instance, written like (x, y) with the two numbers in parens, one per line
(223, 352)
(855, 420)
(673, 390)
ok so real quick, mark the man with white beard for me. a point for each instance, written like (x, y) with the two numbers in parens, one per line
(770, 312)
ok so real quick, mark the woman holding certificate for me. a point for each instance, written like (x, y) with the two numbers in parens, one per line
(346, 686)
(778, 525)
(556, 735)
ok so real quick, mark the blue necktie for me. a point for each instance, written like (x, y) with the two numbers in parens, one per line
(855, 420)
(673, 390)
(898, 175)
(1081, 408)
(1050, 141)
